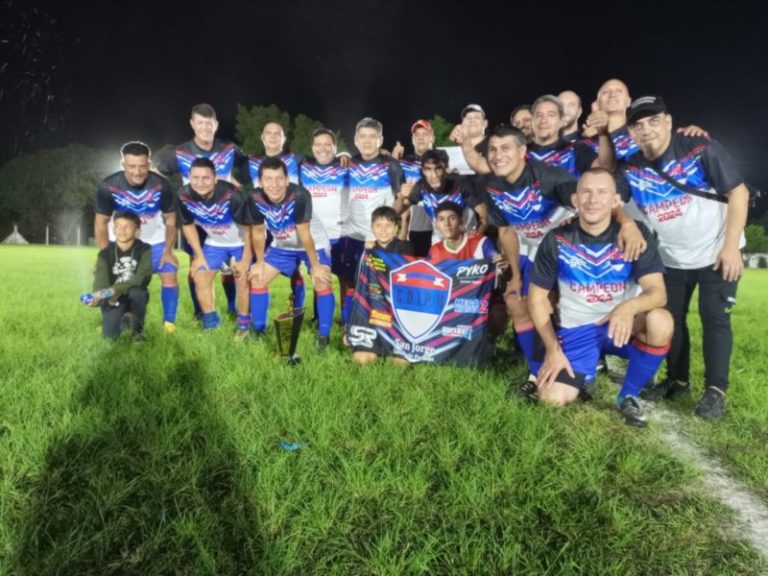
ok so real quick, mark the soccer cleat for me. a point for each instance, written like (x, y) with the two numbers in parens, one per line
(322, 343)
(526, 391)
(632, 413)
(665, 390)
(211, 320)
(169, 327)
(712, 404)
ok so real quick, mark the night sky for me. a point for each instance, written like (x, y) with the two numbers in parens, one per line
(101, 74)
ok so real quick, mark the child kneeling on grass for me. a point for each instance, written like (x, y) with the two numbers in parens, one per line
(123, 272)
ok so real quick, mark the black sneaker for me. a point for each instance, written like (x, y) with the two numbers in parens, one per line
(526, 391)
(712, 404)
(632, 413)
(665, 390)
(322, 343)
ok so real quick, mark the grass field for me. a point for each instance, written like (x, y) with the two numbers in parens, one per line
(165, 458)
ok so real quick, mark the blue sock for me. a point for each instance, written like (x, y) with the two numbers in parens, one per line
(259, 308)
(644, 362)
(193, 294)
(346, 308)
(230, 289)
(298, 290)
(211, 320)
(326, 304)
(169, 295)
(526, 337)
(243, 321)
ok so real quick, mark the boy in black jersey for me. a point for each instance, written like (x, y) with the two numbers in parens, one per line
(123, 272)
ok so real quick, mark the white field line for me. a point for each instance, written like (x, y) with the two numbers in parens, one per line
(750, 510)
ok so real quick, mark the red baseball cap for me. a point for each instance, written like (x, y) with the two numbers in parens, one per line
(421, 124)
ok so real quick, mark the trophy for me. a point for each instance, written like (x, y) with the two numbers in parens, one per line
(287, 328)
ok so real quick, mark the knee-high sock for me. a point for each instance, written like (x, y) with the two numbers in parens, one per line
(644, 361)
(193, 294)
(298, 290)
(243, 321)
(526, 338)
(326, 304)
(346, 307)
(230, 289)
(259, 308)
(169, 295)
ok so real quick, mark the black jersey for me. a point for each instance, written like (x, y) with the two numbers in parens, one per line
(220, 216)
(228, 159)
(534, 204)
(691, 229)
(455, 189)
(590, 271)
(574, 157)
(149, 202)
(397, 246)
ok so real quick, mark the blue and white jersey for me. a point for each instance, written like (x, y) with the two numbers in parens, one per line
(573, 157)
(148, 201)
(533, 205)
(221, 215)
(623, 144)
(372, 183)
(411, 167)
(226, 156)
(328, 184)
(590, 271)
(691, 229)
(281, 219)
(290, 160)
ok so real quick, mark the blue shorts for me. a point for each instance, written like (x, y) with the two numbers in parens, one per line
(350, 251)
(526, 267)
(157, 253)
(337, 265)
(583, 346)
(287, 261)
(217, 255)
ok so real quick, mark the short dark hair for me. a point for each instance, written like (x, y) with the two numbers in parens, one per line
(204, 110)
(272, 163)
(435, 156)
(449, 206)
(517, 109)
(385, 213)
(203, 162)
(125, 215)
(504, 130)
(599, 170)
(322, 131)
(135, 148)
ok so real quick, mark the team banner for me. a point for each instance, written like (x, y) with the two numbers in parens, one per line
(422, 311)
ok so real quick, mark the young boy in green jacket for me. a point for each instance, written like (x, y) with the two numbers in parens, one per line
(123, 272)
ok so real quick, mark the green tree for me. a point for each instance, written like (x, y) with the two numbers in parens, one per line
(52, 186)
(757, 240)
(249, 123)
(442, 129)
(303, 127)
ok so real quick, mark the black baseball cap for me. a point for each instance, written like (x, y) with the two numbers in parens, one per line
(645, 106)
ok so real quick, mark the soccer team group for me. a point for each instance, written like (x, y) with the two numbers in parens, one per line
(601, 232)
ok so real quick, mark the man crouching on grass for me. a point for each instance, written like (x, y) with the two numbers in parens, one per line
(123, 272)
(600, 307)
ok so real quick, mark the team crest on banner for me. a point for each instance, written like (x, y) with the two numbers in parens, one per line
(420, 295)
